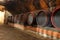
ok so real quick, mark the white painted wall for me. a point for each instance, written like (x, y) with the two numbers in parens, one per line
(2, 17)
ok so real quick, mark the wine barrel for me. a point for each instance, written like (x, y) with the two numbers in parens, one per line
(10, 19)
(23, 18)
(42, 18)
(55, 18)
(15, 18)
(30, 19)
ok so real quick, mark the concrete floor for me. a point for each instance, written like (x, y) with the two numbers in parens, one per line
(9, 33)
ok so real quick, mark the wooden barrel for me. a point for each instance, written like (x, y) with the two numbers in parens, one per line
(42, 18)
(30, 19)
(23, 18)
(55, 18)
(10, 19)
(15, 18)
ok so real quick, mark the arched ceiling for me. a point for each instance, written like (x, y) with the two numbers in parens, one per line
(23, 6)
(16, 7)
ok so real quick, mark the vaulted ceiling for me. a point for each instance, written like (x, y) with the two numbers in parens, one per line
(23, 6)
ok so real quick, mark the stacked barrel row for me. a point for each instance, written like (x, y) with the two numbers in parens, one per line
(41, 18)
(30, 18)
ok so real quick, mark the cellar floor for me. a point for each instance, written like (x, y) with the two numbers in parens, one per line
(10, 33)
